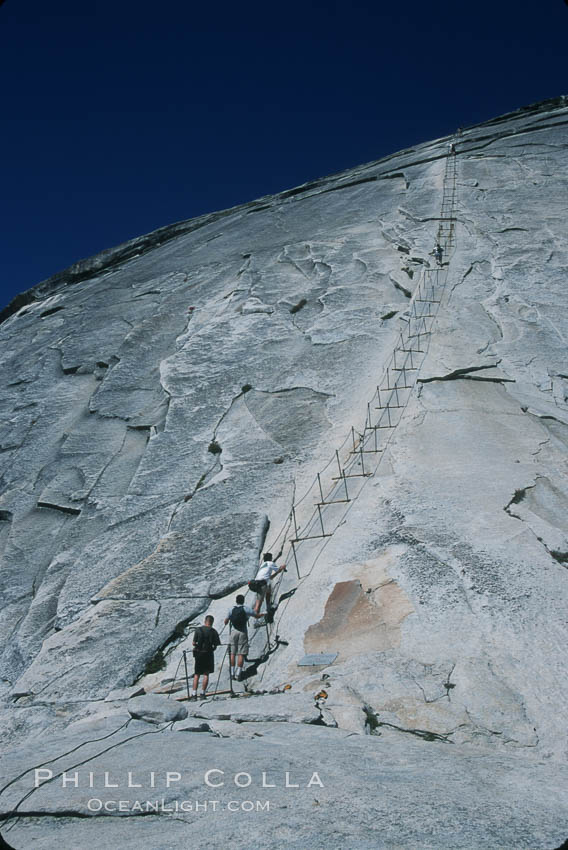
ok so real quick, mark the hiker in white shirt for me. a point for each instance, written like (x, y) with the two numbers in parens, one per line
(267, 572)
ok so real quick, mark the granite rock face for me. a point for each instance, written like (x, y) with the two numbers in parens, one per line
(165, 404)
(155, 709)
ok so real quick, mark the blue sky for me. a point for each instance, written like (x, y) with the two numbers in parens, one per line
(119, 118)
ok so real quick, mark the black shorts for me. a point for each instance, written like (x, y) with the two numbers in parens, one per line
(204, 663)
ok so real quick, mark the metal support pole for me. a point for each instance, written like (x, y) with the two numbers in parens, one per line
(230, 670)
(320, 488)
(186, 674)
(295, 523)
(293, 545)
(321, 520)
(345, 483)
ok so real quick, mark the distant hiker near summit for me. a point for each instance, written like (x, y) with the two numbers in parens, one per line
(438, 253)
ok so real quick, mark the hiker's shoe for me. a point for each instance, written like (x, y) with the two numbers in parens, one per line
(202, 695)
(238, 676)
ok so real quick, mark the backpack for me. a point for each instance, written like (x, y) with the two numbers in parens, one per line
(238, 618)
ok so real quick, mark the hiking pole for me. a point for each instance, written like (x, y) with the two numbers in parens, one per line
(175, 677)
(186, 675)
(230, 667)
(221, 666)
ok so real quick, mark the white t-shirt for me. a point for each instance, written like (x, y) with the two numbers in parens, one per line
(266, 571)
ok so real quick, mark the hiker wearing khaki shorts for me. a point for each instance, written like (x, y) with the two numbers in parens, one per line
(238, 617)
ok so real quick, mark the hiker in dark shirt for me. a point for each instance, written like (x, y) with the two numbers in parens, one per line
(205, 642)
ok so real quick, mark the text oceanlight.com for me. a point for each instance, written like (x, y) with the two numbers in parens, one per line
(172, 806)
